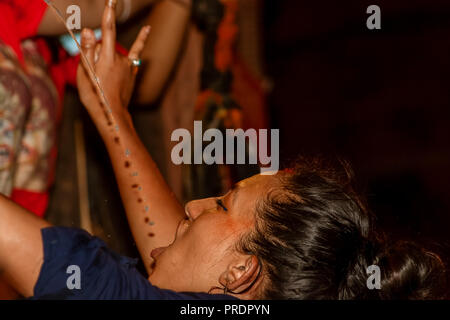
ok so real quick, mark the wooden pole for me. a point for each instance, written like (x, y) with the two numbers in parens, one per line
(83, 194)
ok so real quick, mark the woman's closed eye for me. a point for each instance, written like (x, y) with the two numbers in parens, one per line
(220, 204)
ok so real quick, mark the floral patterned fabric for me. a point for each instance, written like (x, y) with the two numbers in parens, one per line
(31, 91)
(29, 105)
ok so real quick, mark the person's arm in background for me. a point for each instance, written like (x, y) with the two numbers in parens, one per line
(21, 246)
(91, 13)
(169, 20)
(145, 194)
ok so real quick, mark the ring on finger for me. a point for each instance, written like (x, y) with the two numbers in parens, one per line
(135, 62)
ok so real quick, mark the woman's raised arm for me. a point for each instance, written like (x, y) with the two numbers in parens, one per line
(152, 210)
(169, 20)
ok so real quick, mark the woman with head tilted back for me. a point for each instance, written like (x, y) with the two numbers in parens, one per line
(299, 234)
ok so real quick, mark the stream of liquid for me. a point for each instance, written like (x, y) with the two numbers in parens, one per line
(95, 81)
(105, 104)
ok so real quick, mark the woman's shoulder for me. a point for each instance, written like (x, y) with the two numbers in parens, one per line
(78, 265)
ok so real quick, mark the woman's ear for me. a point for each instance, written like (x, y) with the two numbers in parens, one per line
(241, 274)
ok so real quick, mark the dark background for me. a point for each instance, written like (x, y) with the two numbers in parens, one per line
(380, 98)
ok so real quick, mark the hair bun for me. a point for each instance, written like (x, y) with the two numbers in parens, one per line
(410, 272)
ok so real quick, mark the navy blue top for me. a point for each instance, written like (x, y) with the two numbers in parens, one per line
(104, 274)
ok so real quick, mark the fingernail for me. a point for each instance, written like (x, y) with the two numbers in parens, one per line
(147, 29)
(87, 36)
(85, 33)
(84, 37)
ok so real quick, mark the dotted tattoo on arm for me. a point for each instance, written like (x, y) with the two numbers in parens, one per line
(105, 108)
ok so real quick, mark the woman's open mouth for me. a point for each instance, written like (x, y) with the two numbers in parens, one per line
(157, 252)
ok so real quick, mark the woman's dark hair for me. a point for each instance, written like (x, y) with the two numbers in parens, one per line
(315, 240)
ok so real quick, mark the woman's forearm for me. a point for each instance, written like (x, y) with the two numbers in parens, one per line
(91, 13)
(169, 19)
(152, 210)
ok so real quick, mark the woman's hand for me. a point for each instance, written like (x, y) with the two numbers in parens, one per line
(115, 72)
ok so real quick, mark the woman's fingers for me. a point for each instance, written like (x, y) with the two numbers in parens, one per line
(84, 72)
(98, 49)
(139, 43)
(88, 42)
(109, 30)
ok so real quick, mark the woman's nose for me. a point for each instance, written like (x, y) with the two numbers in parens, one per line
(196, 207)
